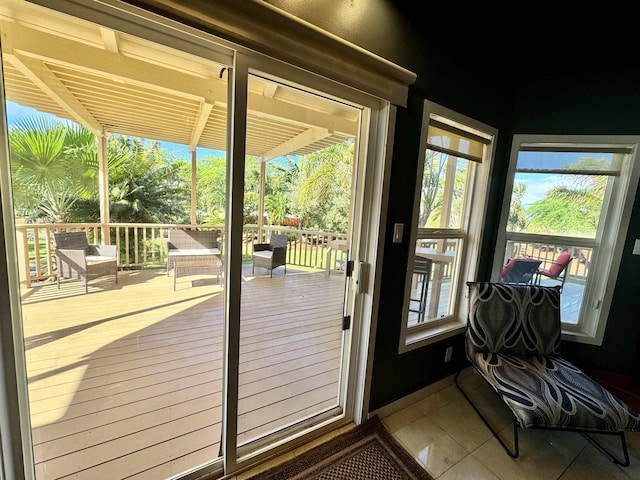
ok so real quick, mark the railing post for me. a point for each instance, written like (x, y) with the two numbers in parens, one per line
(24, 271)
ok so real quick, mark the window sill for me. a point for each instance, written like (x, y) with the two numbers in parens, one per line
(418, 338)
(581, 337)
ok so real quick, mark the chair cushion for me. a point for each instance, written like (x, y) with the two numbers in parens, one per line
(192, 251)
(515, 319)
(548, 391)
(95, 259)
(263, 253)
(556, 267)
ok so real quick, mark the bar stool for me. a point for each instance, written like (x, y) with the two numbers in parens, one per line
(422, 269)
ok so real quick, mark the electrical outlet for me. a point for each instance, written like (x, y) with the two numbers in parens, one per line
(448, 354)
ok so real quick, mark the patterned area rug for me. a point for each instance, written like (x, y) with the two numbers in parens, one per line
(368, 452)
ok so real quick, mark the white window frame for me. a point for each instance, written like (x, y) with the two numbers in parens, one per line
(610, 237)
(470, 235)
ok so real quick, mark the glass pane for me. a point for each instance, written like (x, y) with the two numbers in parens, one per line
(566, 266)
(297, 204)
(433, 274)
(554, 204)
(124, 368)
(443, 189)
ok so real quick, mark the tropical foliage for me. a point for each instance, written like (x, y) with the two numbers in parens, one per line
(572, 206)
(55, 179)
(437, 166)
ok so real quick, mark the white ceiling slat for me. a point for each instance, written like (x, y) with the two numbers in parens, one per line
(103, 78)
(203, 116)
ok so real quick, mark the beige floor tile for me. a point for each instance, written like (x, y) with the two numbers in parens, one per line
(469, 468)
(460, 421)
(525, 467)
(591, 464)
(487, 401)
(430, 446)
(404, 417)
(439, 399)
(554, 450)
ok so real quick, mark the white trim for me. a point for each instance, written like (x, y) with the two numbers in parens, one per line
(15, 427)
(270, 31)
(467, 264)
(609, 243)
(372, 240)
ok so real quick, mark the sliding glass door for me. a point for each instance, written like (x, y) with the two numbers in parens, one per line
(297, 206)
(143, 126)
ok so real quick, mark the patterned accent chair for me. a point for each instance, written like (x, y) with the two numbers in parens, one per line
(513, 342)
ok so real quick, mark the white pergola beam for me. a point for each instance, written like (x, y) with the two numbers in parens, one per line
(97, 61)
(201, 122)
(109, 39)
(41, 76)
(305, 138)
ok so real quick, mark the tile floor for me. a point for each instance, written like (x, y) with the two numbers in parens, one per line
(446, 436)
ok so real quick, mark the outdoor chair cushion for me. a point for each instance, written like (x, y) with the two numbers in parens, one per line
(556, 267)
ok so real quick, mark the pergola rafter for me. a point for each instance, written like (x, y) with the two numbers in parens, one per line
(112, 82)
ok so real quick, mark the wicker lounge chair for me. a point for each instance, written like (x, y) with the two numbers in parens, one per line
(271, 255)
(77, 259)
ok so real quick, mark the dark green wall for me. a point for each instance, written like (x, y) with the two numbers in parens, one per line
(600, 102)
(473, 82)
(558, 75)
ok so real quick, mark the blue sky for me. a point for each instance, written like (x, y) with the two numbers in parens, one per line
(538, 184)
(15, 112)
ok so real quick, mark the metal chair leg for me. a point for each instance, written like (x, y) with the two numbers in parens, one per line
(513, 453)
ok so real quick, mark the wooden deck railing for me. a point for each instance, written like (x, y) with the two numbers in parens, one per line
(144, 245)
(547, 253)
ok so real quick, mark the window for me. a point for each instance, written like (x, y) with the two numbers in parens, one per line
(448, 217)
(566, 200)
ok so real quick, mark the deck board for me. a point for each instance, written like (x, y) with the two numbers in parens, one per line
(126, 381)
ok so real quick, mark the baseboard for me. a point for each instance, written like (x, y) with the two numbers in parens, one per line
(412, 398)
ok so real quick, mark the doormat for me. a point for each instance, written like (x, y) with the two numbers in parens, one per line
(368, 452)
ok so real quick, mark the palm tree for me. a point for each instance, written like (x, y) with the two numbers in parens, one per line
(149, 187)
(573, 207)
(44, 177)
(55, 169)
(518, 220)
(431, 196)
(322, 194)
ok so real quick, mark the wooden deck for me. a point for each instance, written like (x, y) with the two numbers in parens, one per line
(126, 381)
